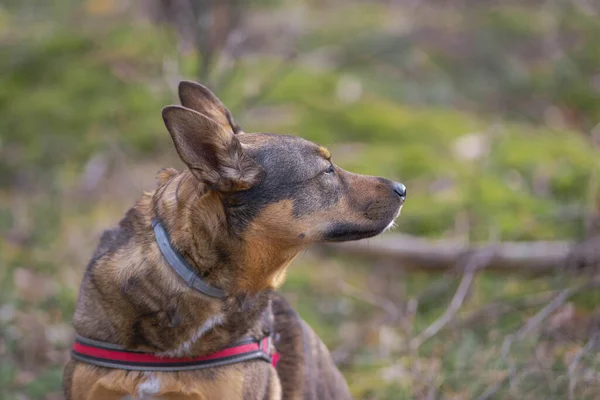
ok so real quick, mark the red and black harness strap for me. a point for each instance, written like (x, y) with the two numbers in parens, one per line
(113, 356)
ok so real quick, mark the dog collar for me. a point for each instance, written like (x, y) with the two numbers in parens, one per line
(180, 266)
(110, 355)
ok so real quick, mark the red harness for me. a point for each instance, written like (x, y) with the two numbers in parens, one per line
(113, 356)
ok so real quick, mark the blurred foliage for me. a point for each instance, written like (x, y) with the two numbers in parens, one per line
(66, 96)
(485, 110)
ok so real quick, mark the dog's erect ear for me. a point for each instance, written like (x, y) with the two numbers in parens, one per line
(210, 150)
(199, 98)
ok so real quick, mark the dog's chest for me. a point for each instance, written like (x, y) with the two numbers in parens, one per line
(149, 388)
(185, 347)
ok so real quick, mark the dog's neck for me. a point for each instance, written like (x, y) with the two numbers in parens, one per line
(132, 297)
(239, 264)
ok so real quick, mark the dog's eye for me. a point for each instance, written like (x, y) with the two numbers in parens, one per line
(330, 170)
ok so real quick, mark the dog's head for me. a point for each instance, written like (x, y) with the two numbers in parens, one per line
(276, 191)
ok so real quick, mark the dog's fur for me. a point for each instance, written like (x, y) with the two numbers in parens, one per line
(244, 208)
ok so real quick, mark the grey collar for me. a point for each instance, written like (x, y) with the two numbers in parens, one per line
(180, 266)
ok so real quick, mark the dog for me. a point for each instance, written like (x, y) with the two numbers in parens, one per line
(178, 301)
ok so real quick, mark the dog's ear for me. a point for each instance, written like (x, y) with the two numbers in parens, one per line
(199, 98)
(210, 150)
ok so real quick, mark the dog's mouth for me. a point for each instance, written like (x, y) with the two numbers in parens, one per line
(392, 223)
(347, 232)
(343, 232)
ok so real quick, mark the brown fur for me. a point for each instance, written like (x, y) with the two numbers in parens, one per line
(247, 205)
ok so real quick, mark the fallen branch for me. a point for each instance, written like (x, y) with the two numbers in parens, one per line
(530, 257)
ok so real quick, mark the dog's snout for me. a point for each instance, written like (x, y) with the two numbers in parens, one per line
(400, 190)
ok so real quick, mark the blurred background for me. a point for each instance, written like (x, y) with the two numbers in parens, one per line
(488, 111)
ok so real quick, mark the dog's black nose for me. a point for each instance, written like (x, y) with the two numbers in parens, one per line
(400, 190)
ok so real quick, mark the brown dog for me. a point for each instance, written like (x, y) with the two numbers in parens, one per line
(247, 205)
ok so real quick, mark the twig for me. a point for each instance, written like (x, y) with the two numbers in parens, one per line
(495, 310)
(573, 366)
(512, 374)
(544, 313)
(474, 263)
(432, 392)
